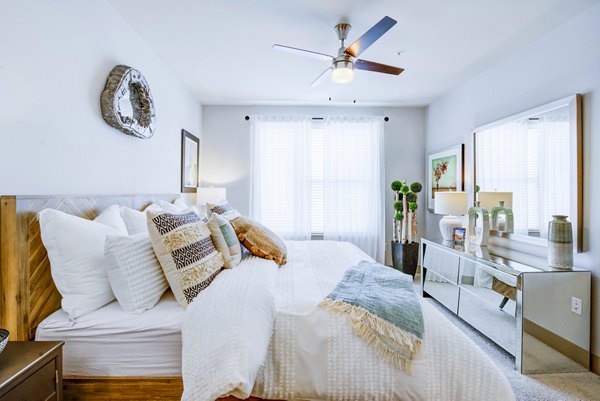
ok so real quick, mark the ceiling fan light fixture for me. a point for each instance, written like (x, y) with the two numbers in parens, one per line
(343, 72)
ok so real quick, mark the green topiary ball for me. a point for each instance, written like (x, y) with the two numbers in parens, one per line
(416, 187)
(477, 188)
(412, 206)
(396, 186)
(398, 216)
(405, 189)
(398, 206)
(411, 197)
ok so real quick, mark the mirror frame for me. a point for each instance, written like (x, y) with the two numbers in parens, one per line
(576, 149)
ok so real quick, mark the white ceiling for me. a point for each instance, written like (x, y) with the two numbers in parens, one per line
(221, 49)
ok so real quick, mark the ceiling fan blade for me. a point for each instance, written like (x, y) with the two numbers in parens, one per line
(377, 67)
(368, 38)
(320, 78)
(303, 52)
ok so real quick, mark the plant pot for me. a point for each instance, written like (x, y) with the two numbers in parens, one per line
(405, 257)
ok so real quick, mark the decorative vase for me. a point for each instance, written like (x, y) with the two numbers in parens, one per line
(405, 257)
(478, 230)
(502, 218)
(560, 243)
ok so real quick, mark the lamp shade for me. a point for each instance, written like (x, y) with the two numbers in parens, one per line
(451, 203)
(489, 200)
(206, 195)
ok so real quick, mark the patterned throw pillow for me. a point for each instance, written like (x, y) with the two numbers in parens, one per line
(225, 239)
(185, 251)
(224, 209)
(259, 240)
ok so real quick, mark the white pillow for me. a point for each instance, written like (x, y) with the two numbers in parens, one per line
(135, 221)
(111, 216)
(76, 251)
(171, 207)
(134, 273)
(180, 203)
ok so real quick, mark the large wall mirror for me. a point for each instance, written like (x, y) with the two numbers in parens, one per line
(536, 156)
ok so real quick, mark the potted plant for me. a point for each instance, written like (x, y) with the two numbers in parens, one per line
(405, 242)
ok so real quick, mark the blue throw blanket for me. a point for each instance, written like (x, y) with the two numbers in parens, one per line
(383, 308)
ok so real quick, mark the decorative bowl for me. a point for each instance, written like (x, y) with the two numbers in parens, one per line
(3, 339)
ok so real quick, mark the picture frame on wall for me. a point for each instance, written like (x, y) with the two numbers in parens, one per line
(445, 172)
(190, 161)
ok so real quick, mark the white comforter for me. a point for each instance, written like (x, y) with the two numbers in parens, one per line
(257, 330)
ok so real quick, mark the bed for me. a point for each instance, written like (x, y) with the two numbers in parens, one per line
(313, 354)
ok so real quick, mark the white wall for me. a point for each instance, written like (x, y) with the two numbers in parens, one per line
(54, 60)
(225, 148)
(563, 62)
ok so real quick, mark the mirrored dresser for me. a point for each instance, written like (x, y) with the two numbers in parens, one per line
(541, 317)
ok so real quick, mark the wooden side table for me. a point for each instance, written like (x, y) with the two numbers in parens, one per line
(31, 371)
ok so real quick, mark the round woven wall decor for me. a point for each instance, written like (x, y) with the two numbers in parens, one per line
(126, 102)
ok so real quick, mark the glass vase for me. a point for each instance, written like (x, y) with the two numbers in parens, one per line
(478, 230)
(502, 218)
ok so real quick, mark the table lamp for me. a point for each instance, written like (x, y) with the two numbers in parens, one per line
(450, 204)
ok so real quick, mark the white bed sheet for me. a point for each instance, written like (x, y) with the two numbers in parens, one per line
(112, 342)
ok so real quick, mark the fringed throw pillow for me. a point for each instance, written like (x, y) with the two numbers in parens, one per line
(259, 240)
(185, 250)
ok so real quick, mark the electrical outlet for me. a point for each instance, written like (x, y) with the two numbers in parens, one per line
(576, 306)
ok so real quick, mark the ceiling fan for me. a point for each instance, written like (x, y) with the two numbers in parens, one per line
(342, 67)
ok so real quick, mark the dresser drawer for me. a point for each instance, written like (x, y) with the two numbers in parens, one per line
(40, 386)
(498, 325)
(442, 290)
(442, 263)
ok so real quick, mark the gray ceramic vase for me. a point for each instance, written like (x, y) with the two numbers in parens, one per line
(560, 243)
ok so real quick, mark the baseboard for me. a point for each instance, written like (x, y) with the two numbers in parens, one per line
(595, 364)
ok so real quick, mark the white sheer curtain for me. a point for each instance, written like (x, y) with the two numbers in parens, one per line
(280, 179)
(353, 182)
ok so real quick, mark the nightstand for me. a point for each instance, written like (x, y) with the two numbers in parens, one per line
(31, 371)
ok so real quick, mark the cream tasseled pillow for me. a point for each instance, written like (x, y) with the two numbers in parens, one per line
(259, 240)
(185, 250)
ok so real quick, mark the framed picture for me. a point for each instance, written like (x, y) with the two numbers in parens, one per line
(444, 172)
(190, 157)
(459, 238)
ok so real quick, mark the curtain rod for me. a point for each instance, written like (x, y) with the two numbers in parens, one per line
(386, 118)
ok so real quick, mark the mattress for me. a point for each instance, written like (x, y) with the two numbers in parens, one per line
(112, 342)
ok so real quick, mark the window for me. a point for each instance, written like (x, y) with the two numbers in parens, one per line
(320, 177)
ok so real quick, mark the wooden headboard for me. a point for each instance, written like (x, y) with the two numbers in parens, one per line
(28, 293)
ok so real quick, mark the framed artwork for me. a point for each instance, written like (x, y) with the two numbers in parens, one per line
(458, 238)
(444, 172)
(190, 158)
